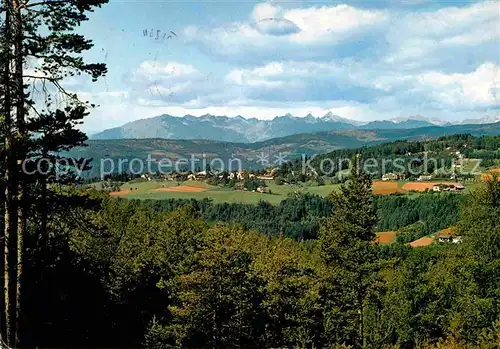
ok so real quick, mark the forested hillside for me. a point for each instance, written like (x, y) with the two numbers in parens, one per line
(406, 156)
(299, 216)
(123, 273)
(250, 154)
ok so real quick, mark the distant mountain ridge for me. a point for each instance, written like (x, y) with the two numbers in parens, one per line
(248, 130)
(292, 146)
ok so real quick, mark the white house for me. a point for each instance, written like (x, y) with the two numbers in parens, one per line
(424, 178)
(389, 177)
(201, 174)
(449, 235)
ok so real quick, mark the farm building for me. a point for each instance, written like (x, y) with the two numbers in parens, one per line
(146, 177)
(449, 235)
(390, 177)
(424, 178)
(238, 175)
(201, 174)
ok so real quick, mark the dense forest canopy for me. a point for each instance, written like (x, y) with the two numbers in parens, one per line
(404, 156)
(299, 216)
(191, 274)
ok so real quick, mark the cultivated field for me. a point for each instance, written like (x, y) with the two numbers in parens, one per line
(386, 187)
(199, 190)
(385, 237)
(122, 193)
(180, 189)
(425, 241)
(470, 165)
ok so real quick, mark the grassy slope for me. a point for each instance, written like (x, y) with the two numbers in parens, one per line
(145, 190)
(278, 192)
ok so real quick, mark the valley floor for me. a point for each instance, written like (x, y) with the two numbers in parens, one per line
(160, 190)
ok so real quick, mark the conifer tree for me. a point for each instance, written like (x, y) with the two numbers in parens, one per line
(346, 247)
(39, 50)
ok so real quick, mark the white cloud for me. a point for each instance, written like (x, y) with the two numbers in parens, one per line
(269, 20)
(272, 28)
(475, 89)
(264, 10)
(332, 23)
(309, 80)
(276, 27)
(158, 83)
(446, 39)
(243, 78)
(148, 68)
(451, 20)
(356, 62)
(347, 88)
(464, 90)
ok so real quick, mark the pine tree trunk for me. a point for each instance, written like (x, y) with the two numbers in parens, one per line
(361, 325)
(21, 223)
(9, 181)
(21, 203)
(2, 240)
(42, 209)
(5, 195)
(10, 229)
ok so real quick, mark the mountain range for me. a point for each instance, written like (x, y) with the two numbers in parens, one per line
(248, 130)
(289, 147)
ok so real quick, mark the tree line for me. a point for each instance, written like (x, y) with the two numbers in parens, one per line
(406, 157)
(118, 274)
(299, 215)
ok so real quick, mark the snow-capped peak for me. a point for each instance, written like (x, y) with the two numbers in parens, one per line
(332, 117)
(488, 119)
(434, 121)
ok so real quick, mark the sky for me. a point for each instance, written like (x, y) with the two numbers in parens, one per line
(363, 60)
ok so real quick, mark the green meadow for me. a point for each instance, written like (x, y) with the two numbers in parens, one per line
(146, 190)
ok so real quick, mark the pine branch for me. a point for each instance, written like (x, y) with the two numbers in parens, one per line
(40, 77)
(34, 109)
(63, 91)
(54, 2)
